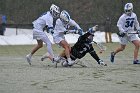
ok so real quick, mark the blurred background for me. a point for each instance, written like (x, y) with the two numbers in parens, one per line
(21, 13)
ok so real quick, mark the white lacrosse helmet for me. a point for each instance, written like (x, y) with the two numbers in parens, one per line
(55, 11)
(65, 17)
(128, 8)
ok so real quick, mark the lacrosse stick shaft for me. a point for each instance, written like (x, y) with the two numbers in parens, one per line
(133, 33)
(70, 31)
(81, 65)
(94, 42)
(100, 46)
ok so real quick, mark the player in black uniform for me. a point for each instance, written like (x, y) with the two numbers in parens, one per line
(84, 46)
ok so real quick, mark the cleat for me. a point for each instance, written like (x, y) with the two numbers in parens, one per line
(102, 63)
(28, 58)
(65, 64)
(136, 62)
(112, 57)
(71, 63)
(56, 59)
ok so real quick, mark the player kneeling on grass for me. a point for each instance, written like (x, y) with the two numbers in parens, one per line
(126, 24)
(82, 47)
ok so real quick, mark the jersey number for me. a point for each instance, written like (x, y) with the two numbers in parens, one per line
(129, 24)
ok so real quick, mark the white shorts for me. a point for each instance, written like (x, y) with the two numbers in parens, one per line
(39, 35)
(58, 38)
(128, 38)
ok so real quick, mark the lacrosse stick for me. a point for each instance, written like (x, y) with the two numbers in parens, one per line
(135, 33)
(69, 31)
(100, 46)
(80, 64)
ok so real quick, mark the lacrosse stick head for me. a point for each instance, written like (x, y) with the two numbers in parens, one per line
(101, 47)
(95, 28)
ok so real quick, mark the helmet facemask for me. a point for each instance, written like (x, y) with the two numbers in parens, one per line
(64, 21)
(55, 14)
(64, 17)
(128, 12)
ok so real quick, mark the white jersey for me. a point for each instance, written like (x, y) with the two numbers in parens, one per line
(60, 27)
(127, 23)
(42, 21)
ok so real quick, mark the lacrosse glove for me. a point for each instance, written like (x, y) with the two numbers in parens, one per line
(65, 32)
(121, 34)
(79, 31)
(50, 30)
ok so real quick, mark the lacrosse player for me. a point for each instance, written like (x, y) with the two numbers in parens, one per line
(47, 19)
(62, 26)
(81, 48)
(126, 24)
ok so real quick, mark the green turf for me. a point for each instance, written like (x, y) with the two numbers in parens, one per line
(22, 50)
(17, 76)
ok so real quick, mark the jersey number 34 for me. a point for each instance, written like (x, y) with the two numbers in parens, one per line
(129, 23)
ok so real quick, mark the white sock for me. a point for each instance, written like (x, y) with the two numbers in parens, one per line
(69, 59)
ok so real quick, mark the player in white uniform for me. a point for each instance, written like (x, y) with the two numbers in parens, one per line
(47, 19)
(126, 24)
(62, 25)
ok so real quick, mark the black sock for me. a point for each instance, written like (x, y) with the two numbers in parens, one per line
(95, 56)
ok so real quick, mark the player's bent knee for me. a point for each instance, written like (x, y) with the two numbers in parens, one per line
(40, 46)
(121, 49)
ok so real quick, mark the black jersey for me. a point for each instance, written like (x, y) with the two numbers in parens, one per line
(82, 47)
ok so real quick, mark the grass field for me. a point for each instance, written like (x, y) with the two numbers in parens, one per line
(16, 76)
